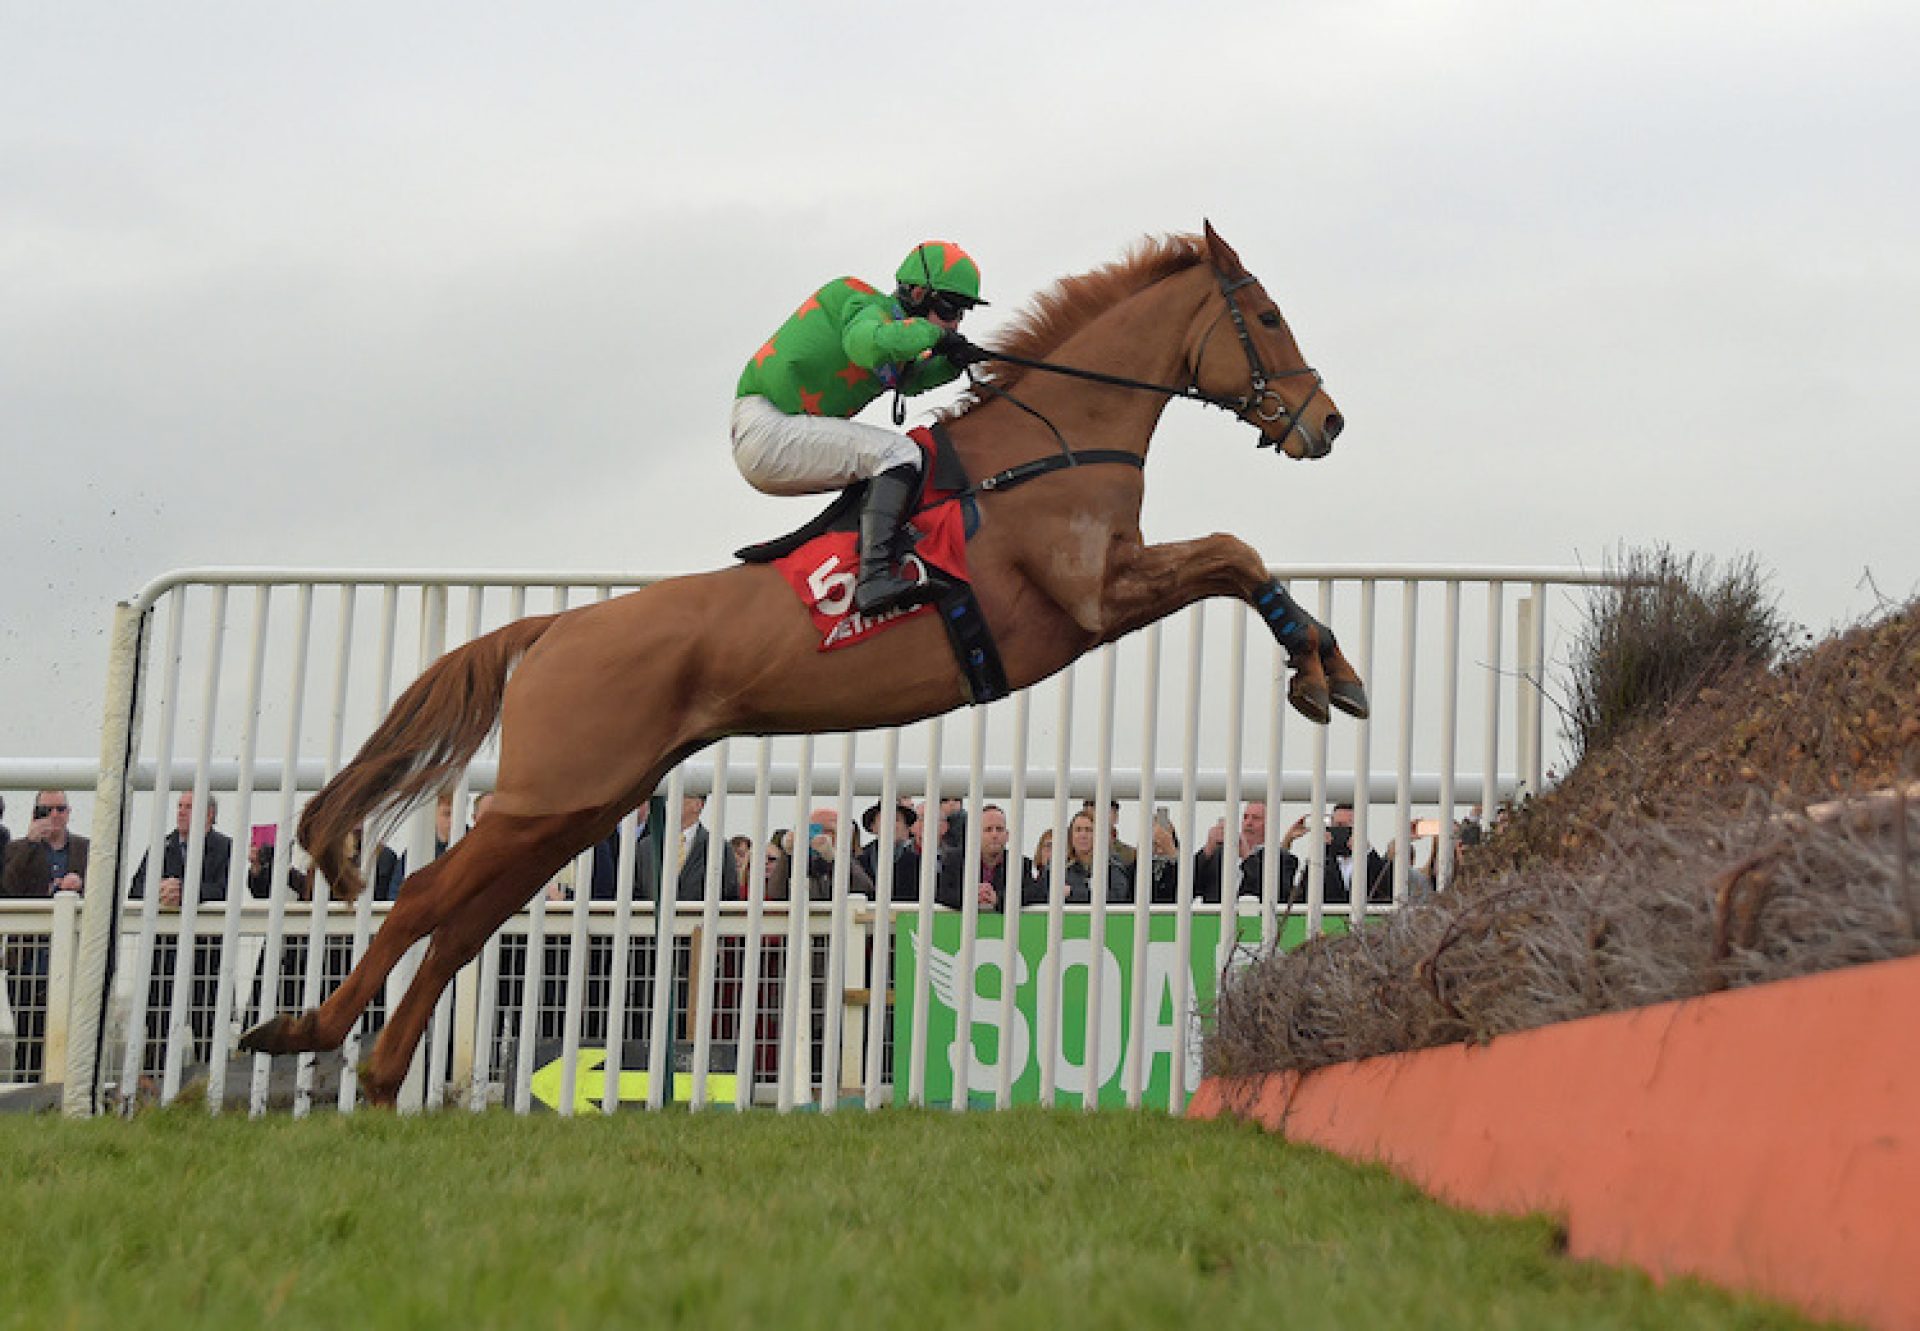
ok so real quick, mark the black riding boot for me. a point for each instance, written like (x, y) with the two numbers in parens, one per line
(881, 588)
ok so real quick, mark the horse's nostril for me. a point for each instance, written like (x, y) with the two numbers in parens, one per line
(1334, 425)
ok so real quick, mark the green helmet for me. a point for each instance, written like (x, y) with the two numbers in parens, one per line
(941, 266)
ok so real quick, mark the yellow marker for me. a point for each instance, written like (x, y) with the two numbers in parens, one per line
(588, 1090)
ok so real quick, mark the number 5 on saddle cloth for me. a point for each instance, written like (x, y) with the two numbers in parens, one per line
(821, 563)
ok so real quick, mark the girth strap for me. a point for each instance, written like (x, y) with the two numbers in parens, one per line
(974, 650)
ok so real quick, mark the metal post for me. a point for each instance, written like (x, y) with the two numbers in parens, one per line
(1450, 692)
(1137, 1057)
(61, 947)
(1403, 769)
(99, 912)
(1523, 681)
(969, 912)
(1016, 888)
(1490, 748)
(1183, 912)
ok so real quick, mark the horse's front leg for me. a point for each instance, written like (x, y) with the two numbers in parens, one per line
(1145, 583)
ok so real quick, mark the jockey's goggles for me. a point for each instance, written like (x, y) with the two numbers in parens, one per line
(947, 305)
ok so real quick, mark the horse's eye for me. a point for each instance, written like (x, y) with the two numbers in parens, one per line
(1271, 318)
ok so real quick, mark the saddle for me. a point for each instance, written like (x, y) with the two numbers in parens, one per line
(819, 561)
(943, 477)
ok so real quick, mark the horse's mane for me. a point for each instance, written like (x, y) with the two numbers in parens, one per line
(1066, 307)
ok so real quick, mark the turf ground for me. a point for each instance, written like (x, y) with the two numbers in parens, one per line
(909, 1219)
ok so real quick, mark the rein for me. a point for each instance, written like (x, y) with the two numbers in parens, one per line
(1262, 400)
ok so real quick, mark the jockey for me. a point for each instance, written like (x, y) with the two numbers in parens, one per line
(844, 346)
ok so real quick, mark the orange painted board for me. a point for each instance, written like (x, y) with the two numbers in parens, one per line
(1764, 1139)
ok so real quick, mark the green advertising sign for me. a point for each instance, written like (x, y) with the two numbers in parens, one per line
(1167, 1031)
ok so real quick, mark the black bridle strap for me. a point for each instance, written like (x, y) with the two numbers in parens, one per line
(1026, 471)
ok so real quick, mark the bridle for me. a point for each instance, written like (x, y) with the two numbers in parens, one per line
(1262, 400)
(1261, 406)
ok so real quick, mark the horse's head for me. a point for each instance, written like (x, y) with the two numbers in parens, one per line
(1259, 373)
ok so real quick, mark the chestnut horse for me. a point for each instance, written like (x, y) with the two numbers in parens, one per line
(607, 698)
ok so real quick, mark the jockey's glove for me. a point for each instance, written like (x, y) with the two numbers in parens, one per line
(958, 351)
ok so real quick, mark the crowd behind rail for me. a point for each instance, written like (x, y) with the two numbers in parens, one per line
(49, 859)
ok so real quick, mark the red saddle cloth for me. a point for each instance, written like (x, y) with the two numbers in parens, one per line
(823, 571)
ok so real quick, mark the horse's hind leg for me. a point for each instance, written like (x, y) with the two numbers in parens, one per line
(458, 938)
(423, 898)
(426, 900)
(453, 945)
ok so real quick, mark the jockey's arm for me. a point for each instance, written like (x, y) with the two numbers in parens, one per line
(873, 338)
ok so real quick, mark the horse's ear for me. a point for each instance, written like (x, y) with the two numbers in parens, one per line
(1224, 259)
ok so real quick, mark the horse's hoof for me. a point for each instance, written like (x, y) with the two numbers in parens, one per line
(1310, 700)
(1350, 696)
(269, 1037)
(378, 1094)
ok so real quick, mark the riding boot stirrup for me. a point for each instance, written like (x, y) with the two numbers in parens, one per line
(881, 586)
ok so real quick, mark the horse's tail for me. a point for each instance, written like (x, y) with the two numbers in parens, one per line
(438, 724)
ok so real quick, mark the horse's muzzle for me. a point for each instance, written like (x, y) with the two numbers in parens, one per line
(1304, 442)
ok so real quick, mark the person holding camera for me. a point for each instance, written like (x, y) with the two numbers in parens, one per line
(1342, 863)
(47, 859)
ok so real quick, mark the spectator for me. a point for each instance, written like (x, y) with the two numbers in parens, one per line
(1251, 856)
(5, 835)
(442, 823)
(1337, 855)
(47, 859)
(896, 842)
(216, 856)
(217, 853)
(1080, 869)
(990, 889)
(1043, 860)
(688, 852)
(1470, 830)
(442, 835)
(779, 871)
(27, 870)
(690, 857)
(645, 876)
(260, 868)
(388, 871)
(953, 827)
(822, 828)
(1122, 852)
(1165, 883)
(1419, 881)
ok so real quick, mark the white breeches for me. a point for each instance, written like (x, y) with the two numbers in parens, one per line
(801, 455)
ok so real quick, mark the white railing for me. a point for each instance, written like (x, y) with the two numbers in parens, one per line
(228, 681)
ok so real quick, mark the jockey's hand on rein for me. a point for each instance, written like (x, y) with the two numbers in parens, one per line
(958, 351)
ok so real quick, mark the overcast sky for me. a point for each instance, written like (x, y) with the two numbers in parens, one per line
(469, 285)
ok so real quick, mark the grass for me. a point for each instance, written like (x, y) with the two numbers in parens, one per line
(919, 1219)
